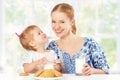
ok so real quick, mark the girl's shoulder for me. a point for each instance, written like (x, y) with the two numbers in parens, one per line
(51, 51)
(30, 52)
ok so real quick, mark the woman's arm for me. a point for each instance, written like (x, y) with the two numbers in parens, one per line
(97, 60)
(87, 70)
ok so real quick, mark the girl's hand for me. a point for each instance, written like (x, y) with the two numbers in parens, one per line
(42, 61)
(87, 70)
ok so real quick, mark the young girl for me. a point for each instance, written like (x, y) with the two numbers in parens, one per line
(34, 40)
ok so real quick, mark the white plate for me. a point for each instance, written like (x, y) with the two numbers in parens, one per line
(41, 78)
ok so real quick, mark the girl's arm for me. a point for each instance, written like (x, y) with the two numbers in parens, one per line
(32, 67)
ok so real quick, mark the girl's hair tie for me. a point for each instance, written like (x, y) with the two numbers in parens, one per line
(19, 35)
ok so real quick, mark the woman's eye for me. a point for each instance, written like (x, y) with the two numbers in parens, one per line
(53, 21)
(62, 22)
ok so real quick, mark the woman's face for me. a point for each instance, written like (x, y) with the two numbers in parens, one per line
(61, 24)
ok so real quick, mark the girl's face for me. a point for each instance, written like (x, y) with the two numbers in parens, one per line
(61, 24)
(39, 37)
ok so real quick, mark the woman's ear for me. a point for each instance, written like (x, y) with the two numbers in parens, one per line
(72, 22)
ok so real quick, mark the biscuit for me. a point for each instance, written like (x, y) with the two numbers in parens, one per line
(38, 73)
(47, 73)
(23, 74)
(57, 73)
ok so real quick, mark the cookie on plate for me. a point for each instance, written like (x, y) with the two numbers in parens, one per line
(47, 73)
(38, 73)
(23, 74)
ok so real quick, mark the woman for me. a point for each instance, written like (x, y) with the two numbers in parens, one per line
(69, 45)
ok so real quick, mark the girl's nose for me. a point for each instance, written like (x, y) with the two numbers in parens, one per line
(44, 35)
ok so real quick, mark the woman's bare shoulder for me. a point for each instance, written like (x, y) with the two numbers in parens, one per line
(81, 39)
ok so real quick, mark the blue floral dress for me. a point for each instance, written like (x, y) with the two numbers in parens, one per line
(94, 55)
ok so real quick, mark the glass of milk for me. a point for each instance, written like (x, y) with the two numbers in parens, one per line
(79, 62)
(49, 66)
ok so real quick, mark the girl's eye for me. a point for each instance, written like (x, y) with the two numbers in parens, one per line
(40, 33)
(62, 22)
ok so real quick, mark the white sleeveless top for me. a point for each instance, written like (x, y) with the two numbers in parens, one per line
(32, 56)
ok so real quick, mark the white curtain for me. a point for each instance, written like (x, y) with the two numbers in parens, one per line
(1, 36)
(118, 42)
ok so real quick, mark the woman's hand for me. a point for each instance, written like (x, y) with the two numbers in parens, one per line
(87, 70)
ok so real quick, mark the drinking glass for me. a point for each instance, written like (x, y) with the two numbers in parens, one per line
(79, 62)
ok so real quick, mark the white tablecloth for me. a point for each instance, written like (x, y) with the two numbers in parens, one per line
(92, 77)
(15, 76)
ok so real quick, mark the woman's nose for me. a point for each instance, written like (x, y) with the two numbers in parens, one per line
(57, 26)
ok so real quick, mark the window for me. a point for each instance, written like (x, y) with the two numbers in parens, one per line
(98, 18)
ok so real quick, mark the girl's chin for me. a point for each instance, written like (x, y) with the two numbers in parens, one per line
(59, 35)
(45, 40)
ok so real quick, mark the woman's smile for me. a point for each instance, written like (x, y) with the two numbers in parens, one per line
(58, 31)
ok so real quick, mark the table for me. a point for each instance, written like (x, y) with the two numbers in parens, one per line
(92, 77)
(15, 76)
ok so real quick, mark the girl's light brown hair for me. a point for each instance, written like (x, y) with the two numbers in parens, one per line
(68, 10)
(27, 37)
